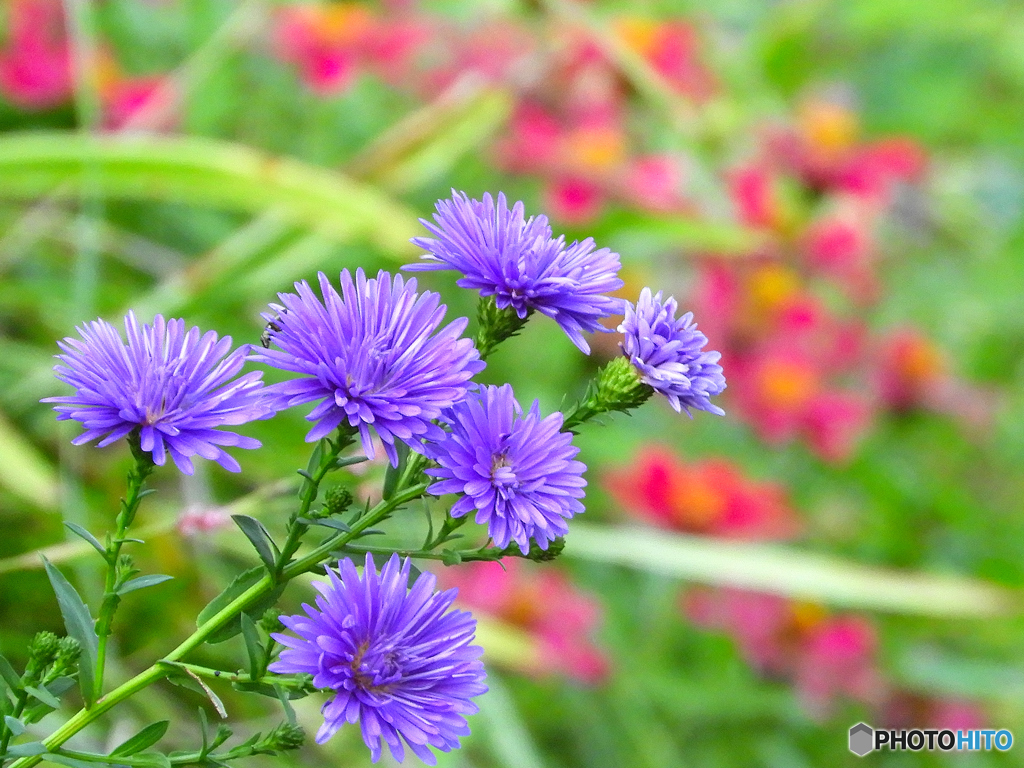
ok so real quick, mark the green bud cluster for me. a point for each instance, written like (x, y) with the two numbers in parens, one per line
(496, 325)
(271, 621)
(285, 737)
(538, 555)
(51, 657)
(337, 500)
(617, 387)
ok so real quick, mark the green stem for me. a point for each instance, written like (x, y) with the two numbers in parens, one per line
(236, 677)
(483, 554)
(311, 489)
(160, 669)
(111, 599)
(19, 709)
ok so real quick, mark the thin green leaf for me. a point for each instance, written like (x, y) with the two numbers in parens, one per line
(142, 582)
(12, 678)
(241, 583)
(30, 749)
(213, 697)
(259, 537)
(204, 730)
(14, 725)
(79, 531)
(253, 646)
(311, 467)
(79, 624)
(144, 739)
(349, 461)
(60, 686)
(394, 474)
(286, 705)
(787, 571)
(40, 694)
(223, 734)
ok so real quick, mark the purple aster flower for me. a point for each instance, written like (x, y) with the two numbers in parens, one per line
(397, 659)
(174, 387)
(369, 357)
(667, 352)
(517, 471)
(503, 254)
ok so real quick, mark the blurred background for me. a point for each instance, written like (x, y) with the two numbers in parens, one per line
(834, 187)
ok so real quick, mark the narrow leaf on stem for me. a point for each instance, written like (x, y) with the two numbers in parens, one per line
(80, 626)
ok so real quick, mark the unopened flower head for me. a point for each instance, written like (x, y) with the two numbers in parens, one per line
(369, 357)
(516, 470)
(173, 386)
(399, 661)
(503, 254)
(668, 353)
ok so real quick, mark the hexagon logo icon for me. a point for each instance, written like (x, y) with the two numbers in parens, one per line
(862, 739)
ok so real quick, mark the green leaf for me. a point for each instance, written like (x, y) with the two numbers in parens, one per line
(450, 557)
(241, 583)
(144, 739)
(788, 571)
(286, 705)
(60, 686)
(394, 474)
(142, 582)
(80, 626)
(204, 731)
(12, 678)
(253, 646)
(349, 461)
(213, 697)
(199, 171)
(14, 725)
(79, 531)
(29, 749)
(260, 539)
(311, 467)
(42, 695)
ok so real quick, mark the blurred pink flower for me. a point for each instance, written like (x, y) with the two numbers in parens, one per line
(145, 102)
(826, 657)
(754, 193)
(653, 182)
(836, 660)
(35, 62)
(573, 199)
(671, 48)
(710, 497)
(542, 602)
(199, 520)
(324, 41)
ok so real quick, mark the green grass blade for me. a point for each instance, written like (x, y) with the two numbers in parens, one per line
(207, 173)
(789, 572)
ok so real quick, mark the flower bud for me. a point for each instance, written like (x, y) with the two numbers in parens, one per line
(286, 736)
(617, 387)
(496, 325)
(337, 500)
